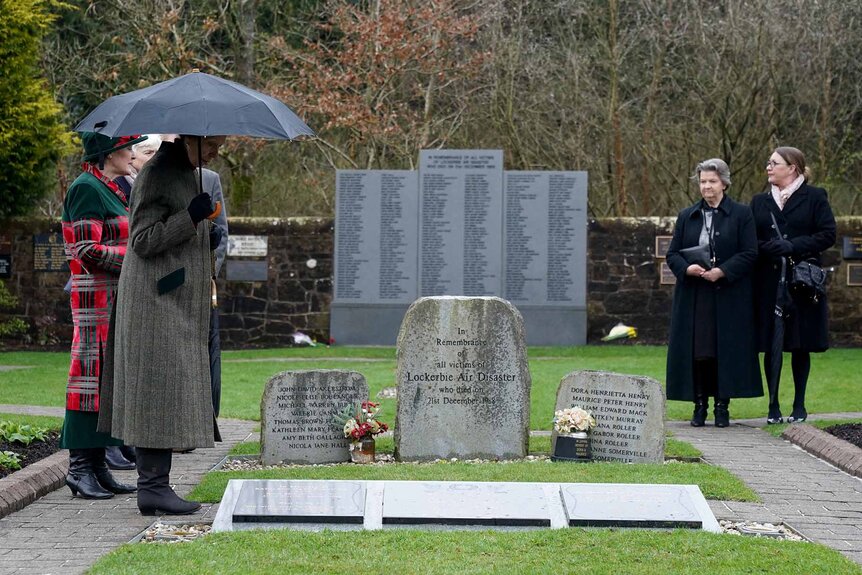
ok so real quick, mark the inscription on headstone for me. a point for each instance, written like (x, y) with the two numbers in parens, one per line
(297, 413)
(463, 380)
(460, 210)
(629, 412)
(376, 236)
(545, 229)
(49, 253)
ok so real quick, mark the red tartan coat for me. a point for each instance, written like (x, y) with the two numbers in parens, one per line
(95, 233)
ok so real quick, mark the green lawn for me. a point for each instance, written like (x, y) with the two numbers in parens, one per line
(779, 428)
(834, 384)
(543, 552)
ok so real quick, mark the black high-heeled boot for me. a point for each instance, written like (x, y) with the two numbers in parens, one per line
(701, 407)
(81, 479)
(116, 460)
(155, 496)
(104, 477)
(722, 412)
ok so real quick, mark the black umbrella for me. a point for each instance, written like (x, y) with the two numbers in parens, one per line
(783, 304)
(195, 104)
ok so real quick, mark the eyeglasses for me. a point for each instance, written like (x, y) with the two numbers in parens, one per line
(771, 164)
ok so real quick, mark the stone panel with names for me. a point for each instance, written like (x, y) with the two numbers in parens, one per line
(629, 412)
(247, 246)
(460, 214)
(297, 415)
(463, 380)
(49, 253)
(376, 236)
(545, 224)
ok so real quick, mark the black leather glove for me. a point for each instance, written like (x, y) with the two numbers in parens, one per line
(215, 237)
(200, 207)
(778, 248)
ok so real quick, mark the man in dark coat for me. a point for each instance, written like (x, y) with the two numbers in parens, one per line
(718, 311)
(807, 228)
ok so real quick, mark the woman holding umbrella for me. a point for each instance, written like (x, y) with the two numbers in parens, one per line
(161, 396)
(806, 227)
(95, 233)
(712, 350)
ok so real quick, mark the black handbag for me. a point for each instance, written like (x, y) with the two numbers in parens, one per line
(700, 255)
(808, 281)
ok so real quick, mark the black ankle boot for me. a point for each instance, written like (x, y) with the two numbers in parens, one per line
(722, 412)
(116, 460)
(798, 416)
(155, 496)
(104, 477)
(128, 452)
(701, 407)
(81, 479)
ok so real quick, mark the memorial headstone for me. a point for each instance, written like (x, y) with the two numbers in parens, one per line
(629, 412)
(297, 415)
(463, 380)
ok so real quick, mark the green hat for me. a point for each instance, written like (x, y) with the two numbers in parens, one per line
(97, 146)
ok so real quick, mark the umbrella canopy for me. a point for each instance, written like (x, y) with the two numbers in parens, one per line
(196, 104)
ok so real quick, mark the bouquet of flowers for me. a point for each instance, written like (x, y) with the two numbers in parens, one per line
(359, 421)
(573, 419)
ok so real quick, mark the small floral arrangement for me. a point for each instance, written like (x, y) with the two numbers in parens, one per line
(359, 421)
(573, 419)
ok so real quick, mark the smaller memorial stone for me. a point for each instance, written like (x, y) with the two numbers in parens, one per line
(463, 380)
(297, 415)
(300, 502)
(629, 413)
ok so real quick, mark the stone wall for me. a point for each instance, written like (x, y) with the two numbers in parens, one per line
(623, 285)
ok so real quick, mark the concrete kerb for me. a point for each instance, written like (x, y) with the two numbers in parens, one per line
(19, 489)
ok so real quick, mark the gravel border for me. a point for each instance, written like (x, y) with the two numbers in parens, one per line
(842, 454)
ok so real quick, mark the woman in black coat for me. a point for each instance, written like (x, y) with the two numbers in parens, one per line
(807, 228)
(712, 348)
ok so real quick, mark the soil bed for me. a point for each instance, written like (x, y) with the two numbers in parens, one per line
(851, 432)
(31, 453)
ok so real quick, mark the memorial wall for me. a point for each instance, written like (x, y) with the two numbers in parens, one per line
(460, 225)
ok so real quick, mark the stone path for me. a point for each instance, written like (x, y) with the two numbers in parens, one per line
(59, 534)
(816, 499)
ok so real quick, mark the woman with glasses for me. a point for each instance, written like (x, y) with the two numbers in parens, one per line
(806, 227)
(712, 349)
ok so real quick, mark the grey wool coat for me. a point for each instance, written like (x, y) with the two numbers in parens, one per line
(158, 386)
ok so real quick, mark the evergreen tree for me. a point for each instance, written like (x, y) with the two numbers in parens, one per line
(32, 136)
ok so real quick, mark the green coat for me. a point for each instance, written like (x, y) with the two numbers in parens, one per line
(160, 390)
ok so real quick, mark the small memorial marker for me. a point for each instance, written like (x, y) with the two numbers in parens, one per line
(300, 502)
(629, 413)
(463, 380)
(297, 415)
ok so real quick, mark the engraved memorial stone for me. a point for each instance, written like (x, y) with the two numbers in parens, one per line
(300, 502)
(465, 503)
(463, 380)
(49, 254)
(297, 413)
(246, 246)
(851, 247)
(629, 412)
(460, 211)
(653, 506)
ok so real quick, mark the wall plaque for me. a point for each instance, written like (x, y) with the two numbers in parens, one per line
(852, 248)
(49, 254)
(854, 274)
(247, 271)
(5, 265)
(247, 246)
(661, 245)
(666, 276)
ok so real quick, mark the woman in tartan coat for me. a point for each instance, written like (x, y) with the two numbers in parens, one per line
(95, 233)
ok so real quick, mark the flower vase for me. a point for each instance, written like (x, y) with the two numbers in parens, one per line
(362, 451)
(573, 446)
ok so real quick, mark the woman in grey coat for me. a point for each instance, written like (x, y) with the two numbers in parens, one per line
(161, 397)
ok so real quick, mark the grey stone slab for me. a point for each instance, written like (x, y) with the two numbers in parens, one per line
(463, 380)
(297, 415)
(247, 271)
(465, 503)
(277, 501)
(629, 413)
(629, 505)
